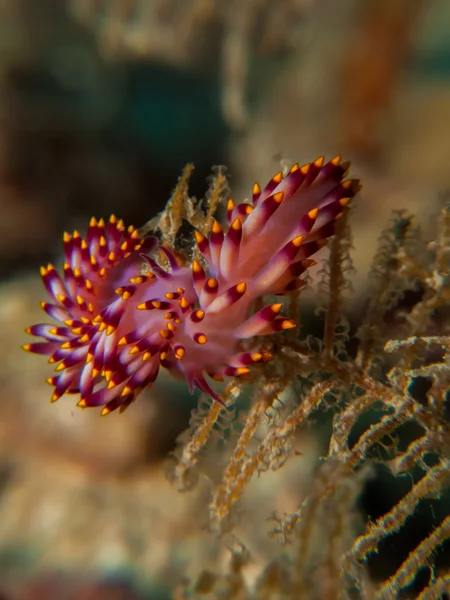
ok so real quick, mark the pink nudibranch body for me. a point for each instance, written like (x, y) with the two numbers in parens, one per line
(119, 322)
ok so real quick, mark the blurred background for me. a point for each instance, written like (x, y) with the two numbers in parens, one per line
(102, 103)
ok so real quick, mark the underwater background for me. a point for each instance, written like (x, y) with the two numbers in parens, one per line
(102, 104)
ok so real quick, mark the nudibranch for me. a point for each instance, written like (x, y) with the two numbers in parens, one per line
(122, 314)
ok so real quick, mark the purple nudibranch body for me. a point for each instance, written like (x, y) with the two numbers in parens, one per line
(119, 323)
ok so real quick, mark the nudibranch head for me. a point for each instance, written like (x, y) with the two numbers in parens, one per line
(121, 315)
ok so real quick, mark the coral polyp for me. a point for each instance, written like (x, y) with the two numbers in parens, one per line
(127, 305)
